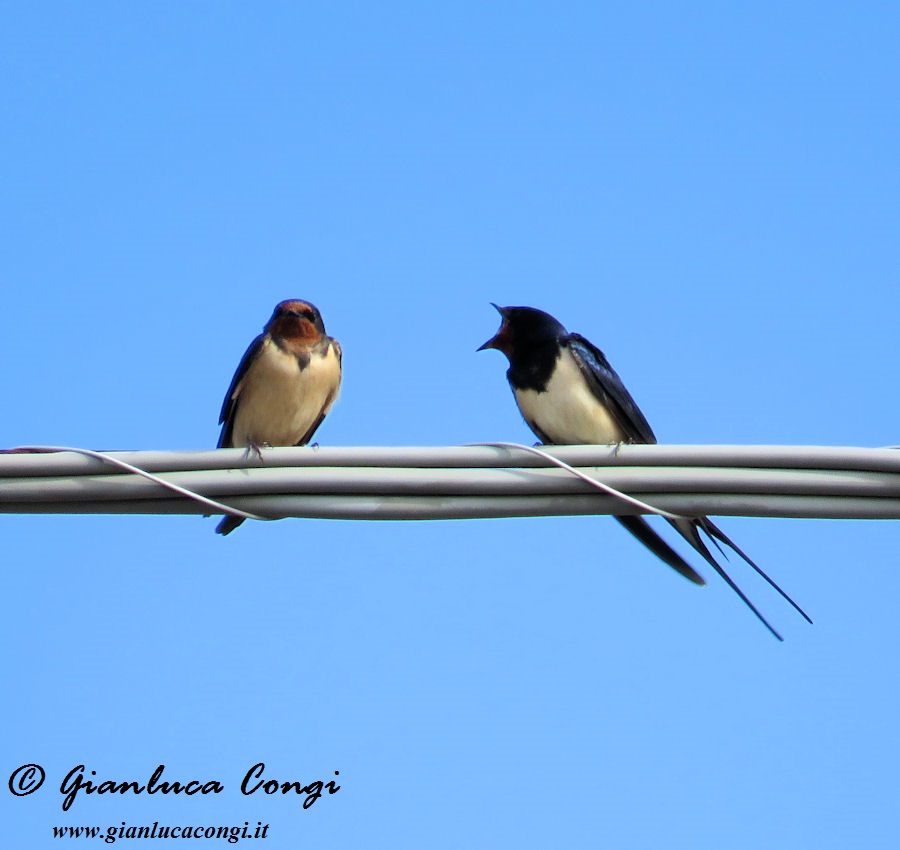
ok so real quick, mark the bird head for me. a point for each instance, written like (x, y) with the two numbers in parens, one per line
(524, 328)
(296, 321)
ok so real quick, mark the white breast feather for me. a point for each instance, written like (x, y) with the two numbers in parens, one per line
(567, 412)
(277, 402)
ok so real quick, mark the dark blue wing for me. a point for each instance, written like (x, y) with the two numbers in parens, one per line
(639, 527)
(229, 405)
(607, 386)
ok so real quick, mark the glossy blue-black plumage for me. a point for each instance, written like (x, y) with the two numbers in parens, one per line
(229, 405)
(283, 386)
(607, 386)
(534, 342)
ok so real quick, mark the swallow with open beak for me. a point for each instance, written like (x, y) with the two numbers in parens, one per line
(284, 386)
(568, 394)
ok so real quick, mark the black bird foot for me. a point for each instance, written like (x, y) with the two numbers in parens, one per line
(255, 448)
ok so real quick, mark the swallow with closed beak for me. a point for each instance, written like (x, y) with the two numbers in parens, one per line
(569, 394)
(284, 385)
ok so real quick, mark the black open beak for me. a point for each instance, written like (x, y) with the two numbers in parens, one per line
(496, 341)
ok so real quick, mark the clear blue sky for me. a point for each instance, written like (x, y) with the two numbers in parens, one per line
(710, 194)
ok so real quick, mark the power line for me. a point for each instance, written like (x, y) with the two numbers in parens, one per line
(459, 482)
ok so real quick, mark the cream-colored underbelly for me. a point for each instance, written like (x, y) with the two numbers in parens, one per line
(567, 412)
(278, 403)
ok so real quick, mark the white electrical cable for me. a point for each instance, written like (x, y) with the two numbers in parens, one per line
(458, 482)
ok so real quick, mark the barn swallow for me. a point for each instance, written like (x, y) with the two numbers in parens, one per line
(568, 394)
(284, 385)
